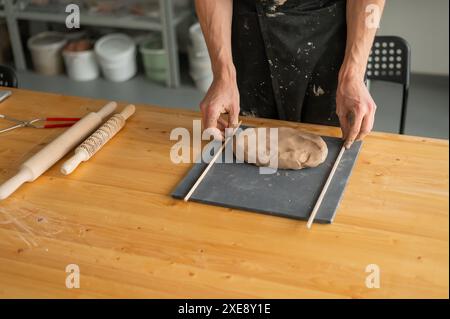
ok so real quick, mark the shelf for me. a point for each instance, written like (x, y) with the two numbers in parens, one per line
(165, 22)
(126, 21)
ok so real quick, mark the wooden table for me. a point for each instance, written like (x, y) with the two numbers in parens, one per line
(115, 219)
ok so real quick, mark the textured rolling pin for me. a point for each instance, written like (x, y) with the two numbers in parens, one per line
(97, 140)
(53, 152)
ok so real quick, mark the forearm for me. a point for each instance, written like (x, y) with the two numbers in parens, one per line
(361, 31)
(215, 19)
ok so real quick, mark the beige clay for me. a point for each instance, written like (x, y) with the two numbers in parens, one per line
(296, 149)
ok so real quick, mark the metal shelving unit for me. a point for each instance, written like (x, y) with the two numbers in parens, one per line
(166, 24)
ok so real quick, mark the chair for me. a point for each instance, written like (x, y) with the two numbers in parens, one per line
(390, 60)
(8, 77)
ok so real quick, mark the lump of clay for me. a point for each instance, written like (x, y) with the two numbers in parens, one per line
(296, 149)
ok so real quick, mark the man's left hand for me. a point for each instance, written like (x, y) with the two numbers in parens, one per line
(355, 109)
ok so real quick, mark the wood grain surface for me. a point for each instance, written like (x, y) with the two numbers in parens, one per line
(115, 219)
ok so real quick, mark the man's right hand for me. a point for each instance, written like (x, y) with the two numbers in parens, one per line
(221, 98)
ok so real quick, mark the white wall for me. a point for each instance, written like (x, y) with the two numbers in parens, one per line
(425, 25)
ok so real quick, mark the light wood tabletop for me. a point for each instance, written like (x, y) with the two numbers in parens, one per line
(115, 219)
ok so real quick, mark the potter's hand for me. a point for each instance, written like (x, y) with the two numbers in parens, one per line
(216, 19)
(355, 109)
(354, 105)
(221, 98)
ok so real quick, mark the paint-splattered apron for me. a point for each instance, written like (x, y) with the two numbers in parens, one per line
(287, 55)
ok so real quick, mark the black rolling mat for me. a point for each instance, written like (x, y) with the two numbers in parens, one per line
(287, 193)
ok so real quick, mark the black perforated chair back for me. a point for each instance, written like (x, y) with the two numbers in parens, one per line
(390, 60)
(8, 77)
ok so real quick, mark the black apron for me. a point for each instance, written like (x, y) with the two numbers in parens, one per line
(287, 55)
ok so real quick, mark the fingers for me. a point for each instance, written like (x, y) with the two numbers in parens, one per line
(343, 120)
(344, 127)
(212, 122)
(213, 132)
(366, 127)
(356, 129)
(233, 116)
(356, 110)
(367, 124)
(354, 122)
(222, 124)
(210, 116)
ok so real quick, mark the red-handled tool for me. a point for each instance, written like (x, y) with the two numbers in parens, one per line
(68, 121)
(64, 122)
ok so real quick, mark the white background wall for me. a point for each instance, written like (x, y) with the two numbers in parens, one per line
(425, 25)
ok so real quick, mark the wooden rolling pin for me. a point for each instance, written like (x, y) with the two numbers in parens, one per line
(58, 148)
(97, 140)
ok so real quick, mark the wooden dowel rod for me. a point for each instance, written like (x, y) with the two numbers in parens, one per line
(202, 176)
(324, 189)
